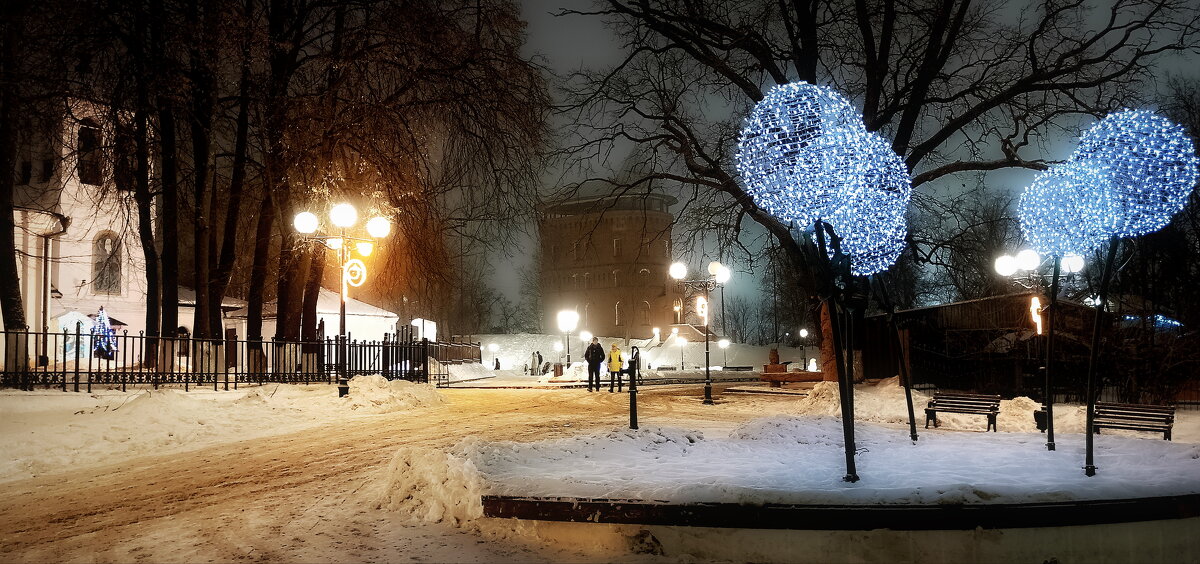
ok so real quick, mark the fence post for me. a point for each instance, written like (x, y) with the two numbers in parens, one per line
(78, 344)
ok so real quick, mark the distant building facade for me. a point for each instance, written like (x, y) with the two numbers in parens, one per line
(607, 258)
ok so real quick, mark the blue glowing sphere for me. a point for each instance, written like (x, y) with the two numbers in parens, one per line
(1071, 208)
(1151, 165)
(790, 148)
(871, 218)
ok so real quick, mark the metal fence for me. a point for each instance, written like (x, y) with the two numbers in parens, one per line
(77, 360)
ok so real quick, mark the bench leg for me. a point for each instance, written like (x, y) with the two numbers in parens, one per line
(929, 414)
(1167, 434)
(991, 423)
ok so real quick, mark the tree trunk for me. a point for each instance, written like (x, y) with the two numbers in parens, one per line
(258, 271)
(312, 290)
(168, 168)
(10, 284)
(203, 98)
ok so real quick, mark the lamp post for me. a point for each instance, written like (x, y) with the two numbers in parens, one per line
(682, 341)
(804, 346)
(493, 348)
(1024, 269)
(724, 344)
(568, 319)
(354, 273)
(718, 274)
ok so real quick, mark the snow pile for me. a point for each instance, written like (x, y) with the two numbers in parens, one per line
(376, 394)
(431, 486)
(50, 431)
(786, 459)
(468, 372)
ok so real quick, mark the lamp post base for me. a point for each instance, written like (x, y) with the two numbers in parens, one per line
(1089, 470)
(343, 387)
(708, 393)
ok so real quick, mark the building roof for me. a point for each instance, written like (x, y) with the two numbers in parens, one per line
(187, 298)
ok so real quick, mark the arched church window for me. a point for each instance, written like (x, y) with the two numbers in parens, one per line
(88, 160)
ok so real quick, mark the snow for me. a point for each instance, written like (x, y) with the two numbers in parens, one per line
(799, 458)
(51, 431)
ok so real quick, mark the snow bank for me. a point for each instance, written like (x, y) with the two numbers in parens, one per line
(48, 432)
(431, 486)
(786, 459)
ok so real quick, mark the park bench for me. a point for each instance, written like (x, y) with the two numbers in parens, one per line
(978, 404)
(1134, 417)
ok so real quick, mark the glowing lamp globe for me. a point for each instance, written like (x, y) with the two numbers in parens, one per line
(568, 319)
(1072, 263)
(343, 215)
(379, 227)
(1071, 208)
(723, 343)
(804, 333)
(306, 222)
(682, 341)
(1006, 265)
(678, 270)
(493, 347)
(585, 336)
(1150, 162)
(334, 243)
(1028, 259)
(364, 248)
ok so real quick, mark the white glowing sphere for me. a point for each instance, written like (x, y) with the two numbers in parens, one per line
(493, 347)
(723, 343)
(678, 270)
(379, 227)
(723, 274)
(343, 215)
(585, 336)
(1028, 259)
(306, 222)
(1072, 263)
(804, 333)
(568, 319)
(364, 248)
(1006, 265)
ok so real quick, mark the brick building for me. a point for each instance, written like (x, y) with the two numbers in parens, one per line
(607, 257)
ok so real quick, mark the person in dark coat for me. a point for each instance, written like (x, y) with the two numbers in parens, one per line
(594, 355)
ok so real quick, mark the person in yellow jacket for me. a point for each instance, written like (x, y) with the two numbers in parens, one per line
(615, 360)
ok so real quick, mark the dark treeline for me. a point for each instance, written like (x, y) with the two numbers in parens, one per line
(224, 118)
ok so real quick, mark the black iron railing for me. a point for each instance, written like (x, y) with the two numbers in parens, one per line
(78, 361)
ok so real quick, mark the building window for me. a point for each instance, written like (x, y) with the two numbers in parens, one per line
(616, 278)
(88, 154)
(678, 307)
(47, 169)
(617, 314)
(574, 281)
(644, 313)
(643, 278)
(575, 251)
(587, 310)
(26, 172)
(616, 247)
(106, 264)
(587, 280)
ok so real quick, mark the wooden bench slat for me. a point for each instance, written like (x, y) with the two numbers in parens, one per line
(1134, 417)
(971, 404)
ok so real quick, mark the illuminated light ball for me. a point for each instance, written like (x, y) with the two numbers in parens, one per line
(789, 139)
(1072, 263)
(1006, 265)
(1151, 163)
(870, 220)
(1068, 209)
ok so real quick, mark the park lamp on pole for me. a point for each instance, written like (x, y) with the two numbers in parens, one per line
(343, 216)
(804, 347)
(724, 344)
(682, 342)
(493, 347)
(568, 320)
(718, 274)
(1030, 262)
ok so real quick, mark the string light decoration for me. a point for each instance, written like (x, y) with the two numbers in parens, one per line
(1151, 164)
(1069, 209)
(871, 220)
(791, 147)
(804, 156)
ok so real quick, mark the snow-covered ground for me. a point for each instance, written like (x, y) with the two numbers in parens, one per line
(399, 467)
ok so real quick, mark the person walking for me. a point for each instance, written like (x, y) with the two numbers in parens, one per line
(594, 355)
(615, 360)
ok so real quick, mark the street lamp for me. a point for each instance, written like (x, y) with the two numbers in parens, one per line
(724, 344)
(804, 347)
(682, 341)
(1030, 262)
(585, 336)
(718, 274)
(568, 319)
(493, 348)
(354, 273)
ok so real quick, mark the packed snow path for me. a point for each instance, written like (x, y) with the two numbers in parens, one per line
(302, 497)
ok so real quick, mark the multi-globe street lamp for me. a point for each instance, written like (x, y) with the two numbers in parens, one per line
(718, 274)
(568, 320)
(1025, 268)
(343, 216)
